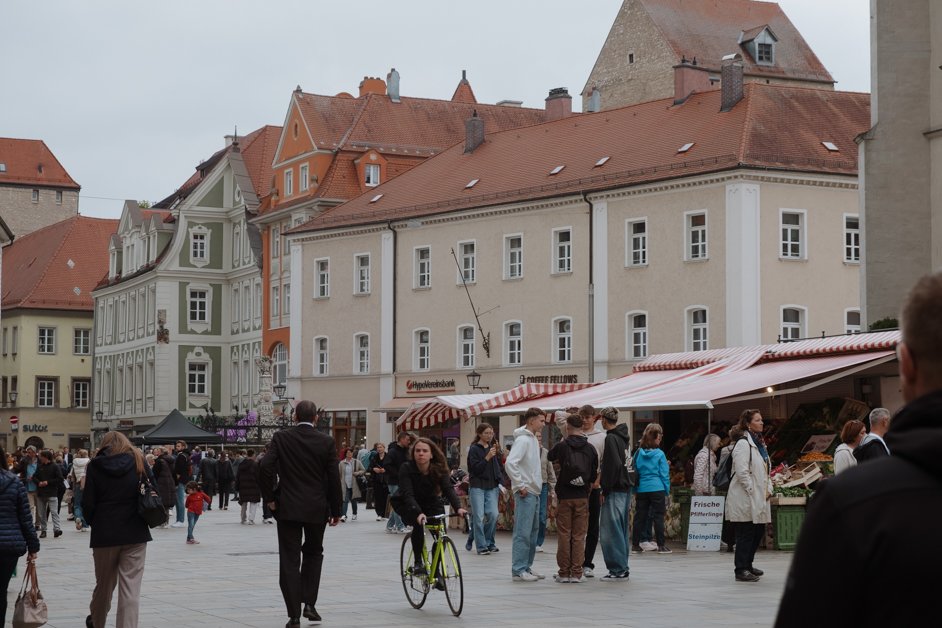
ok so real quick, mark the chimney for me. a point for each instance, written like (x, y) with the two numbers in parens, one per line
(372, 85)
(474, 132)
(392, 85)
(595, 100)
(731, 87)
(689, 78)
(558, 104)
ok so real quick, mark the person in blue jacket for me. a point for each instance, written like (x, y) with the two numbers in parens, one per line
(17, 533)
(654, 486)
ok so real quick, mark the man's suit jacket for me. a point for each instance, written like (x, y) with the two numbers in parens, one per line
(303, 463)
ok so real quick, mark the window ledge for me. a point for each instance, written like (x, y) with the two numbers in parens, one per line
(696, 260)
(792, 259)
(320, 298)
(469, 283)
(635, 266)
(421, 288)
(361, 294)
(561, 273)
(848, 262)
(520, 278)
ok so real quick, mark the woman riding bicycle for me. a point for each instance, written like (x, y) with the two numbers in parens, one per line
(423, 482)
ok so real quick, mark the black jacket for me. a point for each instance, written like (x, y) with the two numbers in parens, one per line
(17, 533)
(418, 494)
(395, 457)
(560, 453)
(208, 473)
(247, 481)
(181, 468)
(614, 474)
(109, 501)
(871, 451)
(224, 473)
(300, 473)
(166, 485)
(484, 473)
(51, 473)
(854, 526)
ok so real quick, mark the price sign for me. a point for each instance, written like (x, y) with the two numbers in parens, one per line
(706, 523)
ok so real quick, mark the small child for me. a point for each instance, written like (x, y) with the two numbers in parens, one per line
(194, 508)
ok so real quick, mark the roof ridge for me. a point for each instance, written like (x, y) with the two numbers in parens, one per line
(426, 98)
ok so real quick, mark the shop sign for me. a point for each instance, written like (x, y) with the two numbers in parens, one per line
(430, 385)
(125, 423)
(706, 523)
(34, 427)
(549, 379)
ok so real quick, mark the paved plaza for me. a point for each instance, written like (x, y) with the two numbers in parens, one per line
(231, 579)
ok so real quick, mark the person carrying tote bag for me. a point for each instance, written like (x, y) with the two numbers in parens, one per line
(30, 610)
(17, 533)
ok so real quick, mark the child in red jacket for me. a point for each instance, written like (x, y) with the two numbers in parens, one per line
(194, 508)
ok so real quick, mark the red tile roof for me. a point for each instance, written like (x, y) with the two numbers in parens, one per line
(773, 127)
(57, 267)
(710, 30)
(30, 162)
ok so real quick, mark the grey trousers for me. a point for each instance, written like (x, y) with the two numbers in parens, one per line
(121, 566)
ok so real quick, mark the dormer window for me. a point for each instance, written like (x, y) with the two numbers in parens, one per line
(199, 245)
(760, 42)
(371, 175)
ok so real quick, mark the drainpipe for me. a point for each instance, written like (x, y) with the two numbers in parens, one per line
(591, 291)
(395, 252)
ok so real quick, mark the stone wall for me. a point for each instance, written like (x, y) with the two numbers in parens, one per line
(23, 216)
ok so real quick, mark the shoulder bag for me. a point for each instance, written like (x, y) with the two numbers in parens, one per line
(149, 506)
(30, 609)
(633, 475)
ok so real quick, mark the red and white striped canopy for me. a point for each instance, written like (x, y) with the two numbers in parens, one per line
(447, 407)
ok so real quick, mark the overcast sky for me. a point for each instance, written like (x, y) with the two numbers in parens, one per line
(131, 96)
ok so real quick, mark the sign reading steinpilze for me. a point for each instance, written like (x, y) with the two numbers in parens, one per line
(429, 385)
(706, 523)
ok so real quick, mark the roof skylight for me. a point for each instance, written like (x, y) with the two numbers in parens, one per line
(376, 198)
(685, 147)
(831, 146)
(601, 162)
(471, 184)
(557, 170)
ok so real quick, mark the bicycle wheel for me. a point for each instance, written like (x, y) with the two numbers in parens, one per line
(416, 587)
(450, 573)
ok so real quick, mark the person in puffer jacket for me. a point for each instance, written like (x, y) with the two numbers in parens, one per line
(17, 534)
(654, 485)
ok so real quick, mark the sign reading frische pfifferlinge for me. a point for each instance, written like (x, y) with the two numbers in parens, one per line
(706, 523)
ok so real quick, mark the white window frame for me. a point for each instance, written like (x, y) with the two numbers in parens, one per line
(275, 244)
(513, 345)
(275, 303)
(78, 396)
(195, 324)
(421, 350)
(851, 240)
(81, 341)
(636, 243)
(466, 348)
(371, 175)
(802, 229)
(35, 195)
(562, 252)
(697, 334)
(696, 237)
(636, 337)
(513, 256)
(787, 330)
(467, 271)
(199, 234)
(279, 360)
(421, 269)
(322, 278)
(304, 177)
(197, 380)
(321, 356)
(46, 340)
(361, 274)
(285, 300)
(45, 386)
(289, 182)
(852, 329)
(562, 341)
(361, 354)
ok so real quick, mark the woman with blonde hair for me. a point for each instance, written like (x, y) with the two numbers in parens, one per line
(119, 534)
(654, 485)
(704, 466)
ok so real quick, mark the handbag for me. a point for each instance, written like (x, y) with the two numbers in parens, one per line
(149, 506)
(633, 475)
(30, 609)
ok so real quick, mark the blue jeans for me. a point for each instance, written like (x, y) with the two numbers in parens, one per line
(395, 521)
(347, 499)
(77, 505)
(484, 505)
(191, 519)
(181, 502)
(544, 501)
(613, 536)
(526, 527)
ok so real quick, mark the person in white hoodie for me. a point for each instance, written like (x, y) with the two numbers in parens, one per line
(77, 480)
(526, 481)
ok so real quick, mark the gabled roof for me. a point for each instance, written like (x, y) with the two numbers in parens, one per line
(58, 266)
(30, 162)
(711, 29)
(258, 151)
(773, 127)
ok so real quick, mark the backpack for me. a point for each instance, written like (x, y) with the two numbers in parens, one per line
(577, 468)
(724, 472)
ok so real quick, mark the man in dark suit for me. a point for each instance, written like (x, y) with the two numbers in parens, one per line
(873, 446)
(302, 463)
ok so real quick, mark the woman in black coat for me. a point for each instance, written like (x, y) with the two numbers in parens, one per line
(247, 486)
(119, 534)
(166, 484)
(224, 477)
(17, 534)
(380, 489)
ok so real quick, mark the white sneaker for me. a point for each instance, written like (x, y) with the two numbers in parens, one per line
(649, 546)
(343, 519)
(177, 524)
(561, 579)
(525, 576)
(379, 518)
(587, 572)
(537, 574)
(539, 549)
(578, 580)
(354, 517)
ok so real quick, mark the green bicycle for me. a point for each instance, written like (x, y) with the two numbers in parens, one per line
(442, 568)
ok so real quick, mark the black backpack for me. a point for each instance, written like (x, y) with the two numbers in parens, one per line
(577, 468)
(724, 472)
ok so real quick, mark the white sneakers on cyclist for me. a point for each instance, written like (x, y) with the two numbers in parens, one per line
(525, 576)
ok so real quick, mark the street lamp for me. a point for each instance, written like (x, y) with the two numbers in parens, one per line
(474, 378)
(100, 416)
(279, 389)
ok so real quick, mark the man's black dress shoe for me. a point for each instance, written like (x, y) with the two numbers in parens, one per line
(756, 572)
(293, 622)
(310, 612)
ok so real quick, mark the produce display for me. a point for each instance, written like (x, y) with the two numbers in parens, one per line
(787, 440)
(814, 456)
